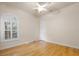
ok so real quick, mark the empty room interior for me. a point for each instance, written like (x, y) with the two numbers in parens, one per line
(39, 28)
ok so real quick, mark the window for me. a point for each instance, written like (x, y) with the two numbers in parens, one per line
(14, 28)
(9, 27)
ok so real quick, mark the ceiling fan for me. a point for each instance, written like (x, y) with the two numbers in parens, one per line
(41, 6)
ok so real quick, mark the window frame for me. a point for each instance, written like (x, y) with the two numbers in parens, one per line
(2, 29)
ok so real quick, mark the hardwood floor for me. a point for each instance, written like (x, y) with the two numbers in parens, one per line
(40, 48)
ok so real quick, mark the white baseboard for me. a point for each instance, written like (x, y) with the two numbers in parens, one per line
(5, 46)
(62, 44)
(10, 46)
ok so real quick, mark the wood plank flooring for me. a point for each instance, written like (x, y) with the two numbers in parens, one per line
(40, 48)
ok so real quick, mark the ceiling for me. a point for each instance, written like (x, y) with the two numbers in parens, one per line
(30, 6)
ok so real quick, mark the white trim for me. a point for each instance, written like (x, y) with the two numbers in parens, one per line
(62, 44)
(14, 45)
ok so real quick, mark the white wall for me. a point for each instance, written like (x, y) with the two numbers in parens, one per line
(62, 27)
(28, 26)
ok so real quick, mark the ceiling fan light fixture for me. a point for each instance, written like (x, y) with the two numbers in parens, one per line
(41, 6)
